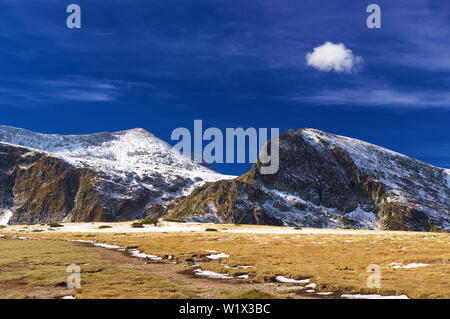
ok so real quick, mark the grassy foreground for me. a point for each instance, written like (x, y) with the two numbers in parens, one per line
(336, 262)
(35, 268)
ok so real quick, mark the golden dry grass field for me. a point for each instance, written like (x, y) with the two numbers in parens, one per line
(336, 261)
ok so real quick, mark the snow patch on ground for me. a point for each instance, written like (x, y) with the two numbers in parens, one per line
(289, 280)
(133, 252)
(218, 256)
(237, 267)
(358, 296)
(215, 275)
(107, 246)
(5, 216)
(396, 265)
(211, 274)
(83, 241)
(136, 253)
(168, 227)
(325, 293)
(125, 227)
(292, 231)
(414, 265)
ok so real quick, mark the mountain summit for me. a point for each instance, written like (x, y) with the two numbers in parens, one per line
(327, 180)
(94, 177)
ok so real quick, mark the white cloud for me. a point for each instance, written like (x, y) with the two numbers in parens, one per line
(331, 56)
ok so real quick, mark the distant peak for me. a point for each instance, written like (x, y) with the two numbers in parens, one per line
(313, 130)
(139, 129)
(136, 131)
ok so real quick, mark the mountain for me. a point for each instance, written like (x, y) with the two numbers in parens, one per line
(327, 180)
(95, 177)
(324, 180)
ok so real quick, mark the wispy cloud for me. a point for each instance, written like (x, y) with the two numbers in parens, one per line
(84, 89)
(87, 96)
(378, 97)
(70, 88)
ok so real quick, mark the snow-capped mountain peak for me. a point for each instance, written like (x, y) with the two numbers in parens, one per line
(135, 150)
(132, 166)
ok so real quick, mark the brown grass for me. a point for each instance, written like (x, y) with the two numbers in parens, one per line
(37, 268)
(336, 262)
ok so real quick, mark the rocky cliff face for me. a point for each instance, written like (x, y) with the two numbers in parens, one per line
(96, 177)
(327, 180)
(40, 188)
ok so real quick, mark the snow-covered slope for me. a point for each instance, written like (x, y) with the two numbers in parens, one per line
(327, 180)
(408, 180)
(127, 163)
(135, 150)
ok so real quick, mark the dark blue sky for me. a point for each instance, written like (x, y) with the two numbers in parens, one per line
(161, 64)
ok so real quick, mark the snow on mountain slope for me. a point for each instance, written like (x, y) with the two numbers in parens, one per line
(134, 150)
(327, 180)
(132, 168)
(369, 157)
(408, 179)
(5, 216)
